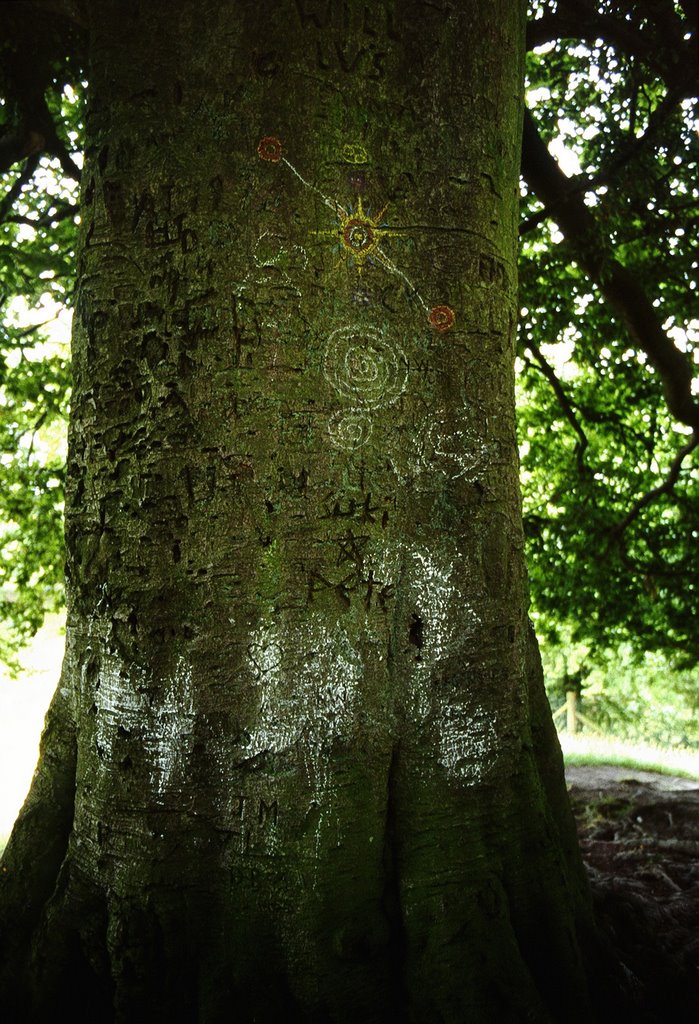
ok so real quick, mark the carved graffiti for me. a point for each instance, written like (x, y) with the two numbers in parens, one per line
(159, 234)
(350, 60)
(365, 510)
(253, 817)
(372, 592)
(351, 548)
(372, 20)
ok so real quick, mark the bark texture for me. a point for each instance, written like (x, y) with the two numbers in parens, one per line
(299, 763)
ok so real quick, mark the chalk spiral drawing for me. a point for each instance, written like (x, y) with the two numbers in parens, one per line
(361, 364)
(349, 429)
(358, 232)
(369, 369)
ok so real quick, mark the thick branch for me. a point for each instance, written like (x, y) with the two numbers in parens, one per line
(564, 25)
(617, 284)
(624, 155)
(660, 44)
(35, 133)
(37, 38)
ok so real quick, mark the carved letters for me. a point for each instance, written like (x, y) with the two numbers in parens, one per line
(349, 41)
(254, 813)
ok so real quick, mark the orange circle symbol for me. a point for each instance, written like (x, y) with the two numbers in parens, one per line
(442, 318)
(270, 148)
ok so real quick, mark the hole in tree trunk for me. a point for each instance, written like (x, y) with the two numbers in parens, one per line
(415, 631)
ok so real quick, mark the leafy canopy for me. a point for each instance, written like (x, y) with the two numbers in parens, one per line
(608, 413)
(40, 132)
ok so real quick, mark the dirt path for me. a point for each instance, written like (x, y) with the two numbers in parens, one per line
(639, 834)
(602, 776)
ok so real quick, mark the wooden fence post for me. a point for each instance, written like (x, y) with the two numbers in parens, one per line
(571, 712)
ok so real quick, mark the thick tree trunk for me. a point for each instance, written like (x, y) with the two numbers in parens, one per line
(299, 762)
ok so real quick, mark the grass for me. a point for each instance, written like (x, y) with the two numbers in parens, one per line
(581, 750)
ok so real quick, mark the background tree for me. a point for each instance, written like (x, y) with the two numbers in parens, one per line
(40, 129)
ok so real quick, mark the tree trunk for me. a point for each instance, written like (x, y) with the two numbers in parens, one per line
(299, 762)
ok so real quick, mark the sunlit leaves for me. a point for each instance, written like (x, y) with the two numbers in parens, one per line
(612, 113)
(37, 248)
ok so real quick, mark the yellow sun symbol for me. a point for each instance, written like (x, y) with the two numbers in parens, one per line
(359, 234)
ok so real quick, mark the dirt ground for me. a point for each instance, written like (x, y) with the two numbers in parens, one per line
(639, 834)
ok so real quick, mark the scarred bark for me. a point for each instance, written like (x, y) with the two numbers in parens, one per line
(301, 763)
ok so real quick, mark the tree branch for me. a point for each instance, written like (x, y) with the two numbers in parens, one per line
(15, 189)
(37, 37)
(589, 27)
(661, 45)
(35, 133)
(624, 155)
(666, 487)
(617, 284)
(567, 409)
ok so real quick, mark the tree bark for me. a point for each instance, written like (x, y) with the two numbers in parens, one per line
(300, 761)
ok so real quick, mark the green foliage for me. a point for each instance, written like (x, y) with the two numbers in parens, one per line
(37, 252)
(629, 695)
(596, 435)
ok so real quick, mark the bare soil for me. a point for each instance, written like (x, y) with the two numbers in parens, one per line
(639, 834)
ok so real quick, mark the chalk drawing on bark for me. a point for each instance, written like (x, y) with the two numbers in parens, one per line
(367, 367)
(358, 234)
(459, 451)
(269, 285)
